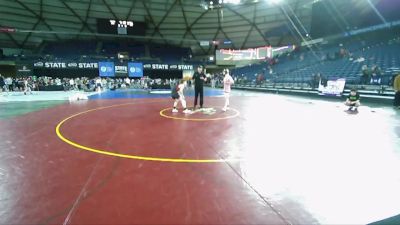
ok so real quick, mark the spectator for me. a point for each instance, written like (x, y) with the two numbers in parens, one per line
(365, 76)
(213, 81)
(71, 83)
(27, 86)
(316, 78)
(258, 79)
(127, 82)
(98, 84)
(9, 84)
(396, 87)
(2, 83)
(323, 79)
(360, 59)
(78, 83)
(375, 75)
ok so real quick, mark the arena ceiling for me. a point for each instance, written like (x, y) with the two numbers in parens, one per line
(177, 22)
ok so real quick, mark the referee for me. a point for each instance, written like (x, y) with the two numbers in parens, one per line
(199, 78)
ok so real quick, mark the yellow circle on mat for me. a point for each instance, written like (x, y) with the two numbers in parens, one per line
(198, 119)
(106, 152)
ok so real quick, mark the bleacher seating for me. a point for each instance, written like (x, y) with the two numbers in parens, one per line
(70, 48)
(301, 66)
(110, 49)
(169, 54)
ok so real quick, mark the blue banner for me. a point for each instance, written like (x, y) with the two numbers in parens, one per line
(106, 69)
(135, 69)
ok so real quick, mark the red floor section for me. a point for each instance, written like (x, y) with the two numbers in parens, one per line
(128, 129)
(298, 165)
(55, 183)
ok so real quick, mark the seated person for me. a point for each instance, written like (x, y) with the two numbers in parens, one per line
(376, 75)
(375, 79)
(353, 100)
(366, 74)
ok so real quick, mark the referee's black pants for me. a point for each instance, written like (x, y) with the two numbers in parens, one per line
(198, 91)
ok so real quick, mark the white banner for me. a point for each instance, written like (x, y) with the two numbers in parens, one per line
(64, 65)
(121, 69)
(168, 67)
(333, 87)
